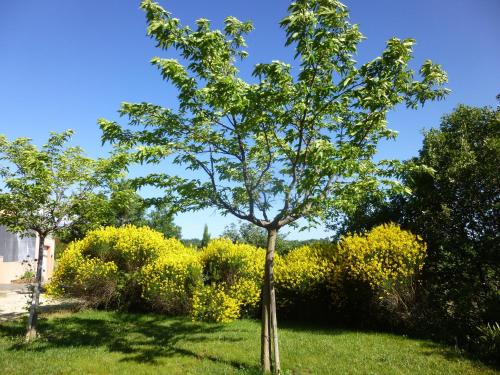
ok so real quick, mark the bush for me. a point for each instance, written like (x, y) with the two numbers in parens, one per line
(212, 303)
(488, 341)
(104, 268)
(170, 281)
(129, 247)
(27, 276)
(375, 272)
(132, 267)
(235, 270)
(301, 277)
(98, 282)
(92, 279)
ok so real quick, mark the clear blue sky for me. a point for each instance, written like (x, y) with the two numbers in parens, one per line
(65, 63)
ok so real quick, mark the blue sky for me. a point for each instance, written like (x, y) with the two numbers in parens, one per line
(64, 64)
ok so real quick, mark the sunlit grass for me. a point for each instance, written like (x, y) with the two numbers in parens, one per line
(96, 342)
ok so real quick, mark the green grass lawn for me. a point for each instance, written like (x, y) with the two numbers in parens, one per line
(96, 342)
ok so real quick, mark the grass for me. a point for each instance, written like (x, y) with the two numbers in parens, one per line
(97, 342)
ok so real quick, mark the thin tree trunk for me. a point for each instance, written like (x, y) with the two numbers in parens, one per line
(35, 300)
(269, 320)
(265, 345)
(269, 329)
(274, 325)
(272, 235)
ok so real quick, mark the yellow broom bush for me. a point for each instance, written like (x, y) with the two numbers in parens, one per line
(375, 272)
(385, 254)
(120, 267)
(170, 280)
(233, 275)
(300, 275)
(105, 268)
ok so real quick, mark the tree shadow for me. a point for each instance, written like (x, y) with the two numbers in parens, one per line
(427, 346)
(320, 327)
(140, 338)
(452, 353)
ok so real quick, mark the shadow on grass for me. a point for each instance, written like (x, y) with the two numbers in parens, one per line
(456, 354)
(141, 338)
(426, 346)
(323, 327)
(148, 338)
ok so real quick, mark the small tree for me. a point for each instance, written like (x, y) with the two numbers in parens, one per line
(284, 146)
(43, 190)
(206, 237)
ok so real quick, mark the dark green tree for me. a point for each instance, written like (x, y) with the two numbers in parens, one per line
(125, 205)
(257, 236)
(246, 233)
(456, 208)
(206, 237)
(119, 204)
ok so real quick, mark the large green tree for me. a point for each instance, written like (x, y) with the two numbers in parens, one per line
(455, 206)
(43, 189)
(284, 145)
(457, 209)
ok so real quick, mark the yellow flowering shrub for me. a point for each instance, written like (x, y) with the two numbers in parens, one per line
(98, 280)
(211, 303)
(129, 265)
(92, 278)
(170, 281)
(247, 293)
(385, 254)
(300, 276)
(94, 269)
(235, 270)
(114, 255)
(226, 261)
(374, 273)
(65, 273)
(129, 247)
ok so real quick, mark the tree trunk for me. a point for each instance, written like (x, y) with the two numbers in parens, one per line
(35, 300)
(274, 326)
(269, 320)
(265, 347)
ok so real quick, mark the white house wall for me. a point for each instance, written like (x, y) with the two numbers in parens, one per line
(14, 250)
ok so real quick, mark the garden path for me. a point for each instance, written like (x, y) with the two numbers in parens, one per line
(14, 301)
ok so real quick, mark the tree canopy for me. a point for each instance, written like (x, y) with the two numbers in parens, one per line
(45, 190)
(285, 145)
